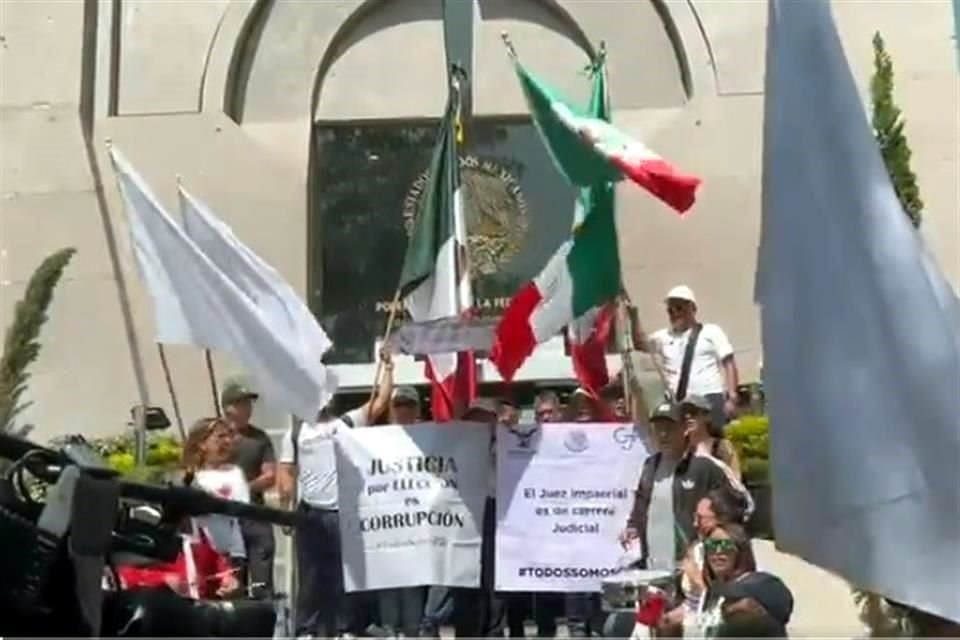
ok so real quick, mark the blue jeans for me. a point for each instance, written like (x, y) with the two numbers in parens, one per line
(718, 412)
(322, 608)
(437, 612)
(401, 610)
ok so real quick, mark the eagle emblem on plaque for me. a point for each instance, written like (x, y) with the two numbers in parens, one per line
(494, 209)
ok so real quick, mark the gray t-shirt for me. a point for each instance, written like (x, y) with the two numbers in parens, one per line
(251, 451)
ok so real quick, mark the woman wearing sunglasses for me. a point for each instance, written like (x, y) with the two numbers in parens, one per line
(728, 558)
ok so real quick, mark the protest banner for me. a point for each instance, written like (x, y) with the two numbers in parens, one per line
(411, 504)
(564, 492)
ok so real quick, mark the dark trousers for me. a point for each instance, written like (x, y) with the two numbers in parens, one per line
(261, 549)
(323, 609)
(401, 610)
(437, 611)
(479, 613)
(718, 412)
(585, 616)
(543, 608)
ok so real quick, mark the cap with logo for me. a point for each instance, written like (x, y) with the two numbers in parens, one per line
(405, 395)
(682, 292)
(697, 402)
(665, 411)
(767, 590)
(235, 392)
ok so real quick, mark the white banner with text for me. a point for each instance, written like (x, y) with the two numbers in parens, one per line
(564, 492)
(411, 504)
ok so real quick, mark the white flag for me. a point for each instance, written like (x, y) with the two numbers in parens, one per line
(283, 309)
(213, 310)
(861, 337)
(172, 324)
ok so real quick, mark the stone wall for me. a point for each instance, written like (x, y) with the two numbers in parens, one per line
(223, 93)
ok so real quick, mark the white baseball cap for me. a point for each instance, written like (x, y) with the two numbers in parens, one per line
(682, 292)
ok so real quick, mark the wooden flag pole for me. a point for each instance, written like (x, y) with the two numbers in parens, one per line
(208, 356)
(653, 356)
(173, 393)
(394, 307)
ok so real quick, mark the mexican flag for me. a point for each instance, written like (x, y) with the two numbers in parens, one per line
(588, 150)
(435, 280)
(578, 281)
(587, 339)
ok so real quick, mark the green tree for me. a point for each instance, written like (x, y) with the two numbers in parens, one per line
(888, 126)
(21, 344)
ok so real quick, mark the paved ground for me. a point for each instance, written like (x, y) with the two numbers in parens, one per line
(823, 603)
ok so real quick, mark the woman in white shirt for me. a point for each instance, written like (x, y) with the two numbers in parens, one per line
(206, 459)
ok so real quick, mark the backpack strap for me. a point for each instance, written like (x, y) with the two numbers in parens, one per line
(684, 380)
(295, 438)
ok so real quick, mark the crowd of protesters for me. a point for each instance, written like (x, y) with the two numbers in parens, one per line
(719, 590)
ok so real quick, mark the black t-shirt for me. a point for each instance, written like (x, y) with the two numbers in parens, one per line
(251, 450)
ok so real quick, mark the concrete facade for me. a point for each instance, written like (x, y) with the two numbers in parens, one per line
(224, 93)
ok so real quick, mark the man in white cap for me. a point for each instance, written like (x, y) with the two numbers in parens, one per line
(698, 358)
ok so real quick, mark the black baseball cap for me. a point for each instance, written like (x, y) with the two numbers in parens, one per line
(767, 590)
(666, 411)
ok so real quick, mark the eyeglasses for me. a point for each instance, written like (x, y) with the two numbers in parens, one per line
(714, 546)
(719, 545)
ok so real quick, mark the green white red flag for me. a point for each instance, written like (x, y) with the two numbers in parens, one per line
(435, 280)
(589, 150)
(580, 279)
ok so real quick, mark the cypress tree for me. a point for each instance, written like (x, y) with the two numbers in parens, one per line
(888, 128)
(21, 345)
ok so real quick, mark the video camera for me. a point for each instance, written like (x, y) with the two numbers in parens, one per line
(62, 534)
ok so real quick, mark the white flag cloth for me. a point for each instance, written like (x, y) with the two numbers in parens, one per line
(213, 311)
(172, 323)
(861, 337)
(283, 309)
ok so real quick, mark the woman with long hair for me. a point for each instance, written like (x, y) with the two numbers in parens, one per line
(728, 557)
(206, 463)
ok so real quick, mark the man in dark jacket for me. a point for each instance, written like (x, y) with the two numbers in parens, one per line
(675, 474)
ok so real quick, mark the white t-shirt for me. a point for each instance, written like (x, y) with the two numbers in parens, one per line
(706, 374)
(317, 466)
(224, 531)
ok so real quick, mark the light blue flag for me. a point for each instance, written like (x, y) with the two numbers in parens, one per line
(861, 337)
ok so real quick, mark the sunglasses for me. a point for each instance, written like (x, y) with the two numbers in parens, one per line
(714, 546)
(676, 306)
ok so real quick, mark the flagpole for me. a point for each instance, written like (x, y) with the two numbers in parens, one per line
(653, 356)
(208, 356)
(394, 306)
(624, 343)
(173, 393)
(133, 342)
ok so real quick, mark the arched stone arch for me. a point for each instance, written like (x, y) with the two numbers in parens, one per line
(262, 46)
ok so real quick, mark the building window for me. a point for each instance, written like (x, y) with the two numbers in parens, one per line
(366, 183)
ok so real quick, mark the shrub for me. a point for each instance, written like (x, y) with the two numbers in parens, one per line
(750, 436)
(163, 456)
